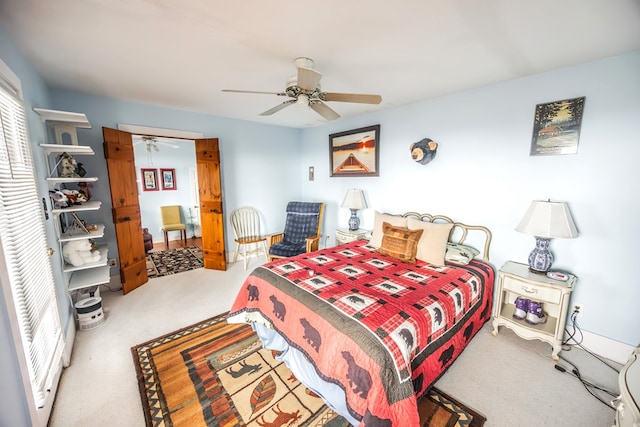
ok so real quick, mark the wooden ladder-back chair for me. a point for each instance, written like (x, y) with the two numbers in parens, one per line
(302, 230)
(245, 222)
(171, 221)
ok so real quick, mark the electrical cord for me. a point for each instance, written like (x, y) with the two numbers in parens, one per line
(578, 343)
(587, 385)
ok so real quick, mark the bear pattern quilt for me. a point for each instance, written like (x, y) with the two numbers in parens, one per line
(382, 329)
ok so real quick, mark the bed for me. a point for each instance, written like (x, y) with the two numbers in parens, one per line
(371, 325)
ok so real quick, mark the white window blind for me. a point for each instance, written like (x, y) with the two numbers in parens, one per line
(24, 250)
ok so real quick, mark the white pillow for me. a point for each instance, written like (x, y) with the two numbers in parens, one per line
(433, 243)
(376, 236)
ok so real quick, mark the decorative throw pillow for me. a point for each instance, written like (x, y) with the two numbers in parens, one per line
(433, 243)
(399, 242)
(376, 235)
(460, 254)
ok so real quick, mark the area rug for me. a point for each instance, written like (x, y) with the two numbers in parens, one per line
(173, 261)
(216, 374)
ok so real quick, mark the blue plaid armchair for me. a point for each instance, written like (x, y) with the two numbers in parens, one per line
(301, 231)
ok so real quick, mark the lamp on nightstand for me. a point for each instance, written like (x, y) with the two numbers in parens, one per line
(354, 200)
(546, 220)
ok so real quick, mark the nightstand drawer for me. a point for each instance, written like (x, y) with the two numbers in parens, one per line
(534, 292)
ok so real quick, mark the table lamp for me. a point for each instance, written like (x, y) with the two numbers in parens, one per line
(354, 200)
(546, 220)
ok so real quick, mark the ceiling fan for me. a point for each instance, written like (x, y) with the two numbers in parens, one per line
(151, 145)
(304, 89)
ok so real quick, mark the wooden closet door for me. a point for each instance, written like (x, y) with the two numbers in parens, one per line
(118, 151)
(211, 214)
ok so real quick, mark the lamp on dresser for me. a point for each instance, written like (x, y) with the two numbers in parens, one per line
(354, 200)
(546, 220)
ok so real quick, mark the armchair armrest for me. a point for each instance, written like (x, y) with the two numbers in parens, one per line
(273, 239)
(313, 243)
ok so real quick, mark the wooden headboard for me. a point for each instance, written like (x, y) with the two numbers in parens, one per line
(459, 232)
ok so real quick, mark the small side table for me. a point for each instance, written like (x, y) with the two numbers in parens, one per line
(515, 280)
(344, 235)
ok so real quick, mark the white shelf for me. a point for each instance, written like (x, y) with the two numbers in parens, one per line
(87, 278)
(103, 261)
(66, 148)
(78, 234)
(58, 180)
(91, 205)
(55, 117)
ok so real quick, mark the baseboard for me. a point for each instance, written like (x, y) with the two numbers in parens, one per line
(606, 347)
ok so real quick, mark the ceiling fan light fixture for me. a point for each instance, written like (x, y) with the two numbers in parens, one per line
(303, 100)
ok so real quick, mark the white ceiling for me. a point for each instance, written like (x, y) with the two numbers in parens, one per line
(181, 54)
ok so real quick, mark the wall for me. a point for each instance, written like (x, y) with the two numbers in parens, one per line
(483, 174)
(181, 156)
(248, 153)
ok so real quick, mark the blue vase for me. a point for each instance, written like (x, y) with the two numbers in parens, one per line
(540, 259)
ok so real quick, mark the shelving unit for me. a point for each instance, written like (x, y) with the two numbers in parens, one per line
(63, 126)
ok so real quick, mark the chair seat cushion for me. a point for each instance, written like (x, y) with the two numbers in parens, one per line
(287, 249)
(173, 227)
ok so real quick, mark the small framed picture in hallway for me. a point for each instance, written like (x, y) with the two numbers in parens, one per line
(168, 179)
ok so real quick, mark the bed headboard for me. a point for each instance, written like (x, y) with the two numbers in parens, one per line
(460, 232)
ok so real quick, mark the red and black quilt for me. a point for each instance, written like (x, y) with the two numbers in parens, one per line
(382, 329)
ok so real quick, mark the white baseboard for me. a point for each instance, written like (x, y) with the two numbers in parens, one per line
(606, 347)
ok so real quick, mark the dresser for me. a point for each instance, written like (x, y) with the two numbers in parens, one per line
(628, 403)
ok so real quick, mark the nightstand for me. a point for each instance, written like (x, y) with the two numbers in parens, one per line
(514, 280)
(344, 235)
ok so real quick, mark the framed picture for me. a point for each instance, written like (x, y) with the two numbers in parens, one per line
(149, 179)
(355, 152)
(556, 127)
(168, 179)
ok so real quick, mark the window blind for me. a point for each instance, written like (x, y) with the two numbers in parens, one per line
(24, 250)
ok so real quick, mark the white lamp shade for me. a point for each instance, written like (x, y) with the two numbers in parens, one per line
(549, 220)
(354, 199)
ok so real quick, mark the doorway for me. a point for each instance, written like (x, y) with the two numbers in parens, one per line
(166, 175)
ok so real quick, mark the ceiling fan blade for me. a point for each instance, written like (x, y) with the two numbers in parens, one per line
(278, 107)
(308, 78)
(324, 110)
(361, 98)
(255, 91)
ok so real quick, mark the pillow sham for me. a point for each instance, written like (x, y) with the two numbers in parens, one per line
(376, 235)
(460, 254)
(433, 243)
(399, 242)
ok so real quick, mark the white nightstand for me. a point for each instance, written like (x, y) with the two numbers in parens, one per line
(344, 235)
(516, 280)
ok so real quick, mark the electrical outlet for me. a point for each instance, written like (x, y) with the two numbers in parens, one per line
(578, 309)
(112, 262)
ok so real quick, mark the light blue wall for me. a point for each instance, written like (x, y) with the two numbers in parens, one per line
(251, 156)
(483, 174)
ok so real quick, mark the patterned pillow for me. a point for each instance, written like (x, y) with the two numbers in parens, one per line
(460, 254)
(399, 242)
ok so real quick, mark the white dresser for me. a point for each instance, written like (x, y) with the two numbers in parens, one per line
(628, 403)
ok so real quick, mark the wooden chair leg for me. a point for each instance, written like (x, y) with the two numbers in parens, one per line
(166, 239)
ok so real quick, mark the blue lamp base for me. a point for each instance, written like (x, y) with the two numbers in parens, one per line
(354, 221)
(540, 259)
